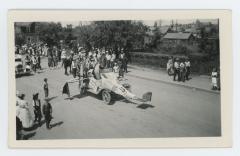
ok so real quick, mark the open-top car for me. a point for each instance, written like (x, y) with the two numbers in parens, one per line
(20, 67)
(108, 85)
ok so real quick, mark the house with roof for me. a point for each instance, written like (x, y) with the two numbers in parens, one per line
(178, 38)
(163, 30)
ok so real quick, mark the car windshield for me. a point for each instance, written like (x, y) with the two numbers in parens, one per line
(18, 59)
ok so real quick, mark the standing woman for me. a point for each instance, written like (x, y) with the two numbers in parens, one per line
(23, 112)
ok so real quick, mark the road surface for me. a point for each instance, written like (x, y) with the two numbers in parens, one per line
(175, 111)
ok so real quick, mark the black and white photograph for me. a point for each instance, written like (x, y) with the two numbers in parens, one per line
(117, 79)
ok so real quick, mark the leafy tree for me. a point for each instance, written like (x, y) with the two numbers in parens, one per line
(112, 34)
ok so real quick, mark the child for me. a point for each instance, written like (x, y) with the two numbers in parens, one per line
(121, 69)
(116, 68)
(45, 88)
(214, 79)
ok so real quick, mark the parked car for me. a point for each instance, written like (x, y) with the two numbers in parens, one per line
(20, 67)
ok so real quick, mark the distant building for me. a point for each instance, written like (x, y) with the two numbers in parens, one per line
(178, 38)
(28, 31)
(162, 30)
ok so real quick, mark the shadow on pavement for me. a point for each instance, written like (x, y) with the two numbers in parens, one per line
(35, 126)
(78, 96)
(145, 106)
(29, 135)
(24, 75)
(56, 124)
(51, 98)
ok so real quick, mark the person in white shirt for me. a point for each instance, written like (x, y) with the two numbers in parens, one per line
(108, 58)
(188, 65)
(176, 70)
(112, 60)
(63, 56)
(182, 71)
(34, 63)
(74, 67)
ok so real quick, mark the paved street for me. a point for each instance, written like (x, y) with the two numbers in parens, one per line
(175, 111)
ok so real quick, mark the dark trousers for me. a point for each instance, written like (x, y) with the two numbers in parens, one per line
(176, 73)
(108, 65)
(187, 73)
(38, 116)
(182, 76)
(125, 68)
(121, 72)
(46, 93)
(39, 66)
(74, 72)
(34, 67)
(48, 120)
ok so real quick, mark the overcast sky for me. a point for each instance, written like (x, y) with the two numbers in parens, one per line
(150, 23)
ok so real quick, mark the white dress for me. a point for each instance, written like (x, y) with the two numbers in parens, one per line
(214, 78)
(23, 113)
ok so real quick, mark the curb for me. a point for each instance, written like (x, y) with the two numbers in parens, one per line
(176, 84)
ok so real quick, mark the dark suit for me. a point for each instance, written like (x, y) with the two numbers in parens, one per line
(47, 112)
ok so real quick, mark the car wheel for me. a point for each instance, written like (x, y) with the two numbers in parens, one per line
(106, 96)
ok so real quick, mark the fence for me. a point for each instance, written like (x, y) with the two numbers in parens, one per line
(200, 64)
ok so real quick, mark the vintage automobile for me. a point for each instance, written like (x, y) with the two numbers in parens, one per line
(109, 85)
(20, 68)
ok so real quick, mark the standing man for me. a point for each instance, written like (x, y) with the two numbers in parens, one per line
(74, 67)
(47, 112)
(45, 88)
(187, 64)
(182, 71)
(39, 62)
(37, 109)
(176, 70)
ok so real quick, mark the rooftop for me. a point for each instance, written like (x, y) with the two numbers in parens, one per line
(179, 36)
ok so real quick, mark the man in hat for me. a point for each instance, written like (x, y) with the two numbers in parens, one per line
(47, 112)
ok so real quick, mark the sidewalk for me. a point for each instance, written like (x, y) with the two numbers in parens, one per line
(198, 82)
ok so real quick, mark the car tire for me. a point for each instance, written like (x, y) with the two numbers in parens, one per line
(106, 96)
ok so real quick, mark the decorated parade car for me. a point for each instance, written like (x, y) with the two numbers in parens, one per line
(108, 85)
(20, 67)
